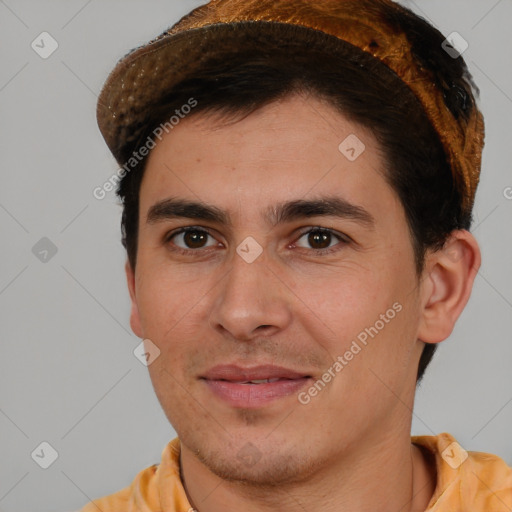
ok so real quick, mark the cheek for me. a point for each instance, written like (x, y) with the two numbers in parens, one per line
(370, 312)
(166, 294)
(345, 299)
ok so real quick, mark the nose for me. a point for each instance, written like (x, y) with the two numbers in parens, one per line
(252, 300)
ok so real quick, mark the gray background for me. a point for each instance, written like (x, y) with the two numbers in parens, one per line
(68, 375)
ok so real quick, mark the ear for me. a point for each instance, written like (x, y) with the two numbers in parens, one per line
(446, 285)
(134, 314)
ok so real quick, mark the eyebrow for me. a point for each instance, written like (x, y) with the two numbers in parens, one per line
(330, 206)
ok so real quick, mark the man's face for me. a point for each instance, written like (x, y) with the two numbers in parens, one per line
(339, 286)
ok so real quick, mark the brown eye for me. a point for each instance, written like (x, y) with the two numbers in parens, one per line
(321, 240)
(191, 238)
(195, 239)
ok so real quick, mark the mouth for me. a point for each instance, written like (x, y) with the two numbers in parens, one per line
(253, 387)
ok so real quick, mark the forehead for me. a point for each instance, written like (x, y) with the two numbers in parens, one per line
(287, 150)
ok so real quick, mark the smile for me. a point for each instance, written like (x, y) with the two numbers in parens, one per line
(253, 387)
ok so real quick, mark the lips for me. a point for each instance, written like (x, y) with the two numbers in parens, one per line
(234, 373)
(253, 387)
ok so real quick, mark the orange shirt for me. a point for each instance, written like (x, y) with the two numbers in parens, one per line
(466, 482)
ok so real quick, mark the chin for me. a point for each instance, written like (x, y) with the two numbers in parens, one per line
(252, 463)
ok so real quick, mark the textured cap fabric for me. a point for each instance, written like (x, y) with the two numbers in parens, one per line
(146, 74)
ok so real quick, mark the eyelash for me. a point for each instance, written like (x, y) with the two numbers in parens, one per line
(316, 229)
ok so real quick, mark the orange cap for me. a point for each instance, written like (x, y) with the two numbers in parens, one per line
(145, 74)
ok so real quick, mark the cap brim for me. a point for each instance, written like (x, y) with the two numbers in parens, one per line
(144, 77)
